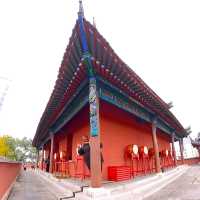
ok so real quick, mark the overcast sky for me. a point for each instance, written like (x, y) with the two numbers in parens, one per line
(159, 40)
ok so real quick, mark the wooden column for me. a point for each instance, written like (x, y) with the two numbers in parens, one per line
(42, 157)
(155, 146)
(37, 158)
(51, 153)
(173, 150)
(95, 155)
(181, 150)
(199, 152)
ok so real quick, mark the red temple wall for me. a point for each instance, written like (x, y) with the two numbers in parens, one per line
(69, 137)
(164, 140)
(60, 143)
(119, 129)
(8, 174)
(77, 127)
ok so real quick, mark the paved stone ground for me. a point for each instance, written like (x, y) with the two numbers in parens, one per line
(186, 187)
(29, 186)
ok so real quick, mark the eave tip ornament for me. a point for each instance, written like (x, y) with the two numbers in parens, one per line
(188, 130)
(94, 22)
(170, 104)
(81, 10)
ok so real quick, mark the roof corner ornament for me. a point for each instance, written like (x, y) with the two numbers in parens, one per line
(188, 130)
(170, 104)
(81, 10)
(191, 140)
(94, 23)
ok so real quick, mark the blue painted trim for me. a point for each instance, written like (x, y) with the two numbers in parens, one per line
(94, 115)
(126, 103)
(100, 79)
(83, 35)
(44, 142)
(76, 104)
(79, 89)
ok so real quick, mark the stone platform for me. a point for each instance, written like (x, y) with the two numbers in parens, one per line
(136, 189)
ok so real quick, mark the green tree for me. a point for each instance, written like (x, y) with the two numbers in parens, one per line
(25, 151)
(17, 149)
(4, 147)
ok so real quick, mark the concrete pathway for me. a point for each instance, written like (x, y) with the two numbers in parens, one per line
(30, 186)
(186, 187)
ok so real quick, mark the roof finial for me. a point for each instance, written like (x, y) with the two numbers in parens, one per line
(94, 22)
(81, 10)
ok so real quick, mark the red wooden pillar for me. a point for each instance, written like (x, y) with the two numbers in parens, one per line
(173, 149)
(42, 157)
(51, 153)
(95, 154)
(155, 146)
(181, 150)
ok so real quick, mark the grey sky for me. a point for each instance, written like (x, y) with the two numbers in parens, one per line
(159, 40)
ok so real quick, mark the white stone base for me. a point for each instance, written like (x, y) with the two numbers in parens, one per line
(105, 194)
(136, 189)
(94, 193)
(132, 190)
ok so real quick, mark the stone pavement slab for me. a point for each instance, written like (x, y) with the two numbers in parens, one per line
(29, 186)
(186, 187)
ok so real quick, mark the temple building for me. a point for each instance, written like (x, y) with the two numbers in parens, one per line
(189, 150)
(97, 95)
(196, 143)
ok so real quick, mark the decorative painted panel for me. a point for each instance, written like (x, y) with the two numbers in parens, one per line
(114, 96)
(94, 108)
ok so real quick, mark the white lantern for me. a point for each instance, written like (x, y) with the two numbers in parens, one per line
(145, 150)
(44, 155)
(61, 155)
(135, 149)
(77, 148)
(167, 152)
